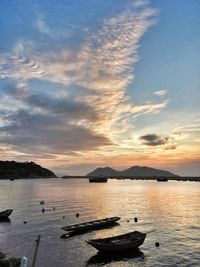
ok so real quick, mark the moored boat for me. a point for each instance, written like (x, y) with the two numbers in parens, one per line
(5, 214)
(98, 180)
(88, 226)
(162, 179)
(124, 242)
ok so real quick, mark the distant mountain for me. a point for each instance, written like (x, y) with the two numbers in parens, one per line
(16, 170)
(107, 171)
(146, 171)
(136, 171)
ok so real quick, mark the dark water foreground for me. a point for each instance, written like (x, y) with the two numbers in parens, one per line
(172, 208)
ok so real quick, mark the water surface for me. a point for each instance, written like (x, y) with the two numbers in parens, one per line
(172, 208)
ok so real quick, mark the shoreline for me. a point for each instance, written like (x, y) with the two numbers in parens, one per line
(179, 178)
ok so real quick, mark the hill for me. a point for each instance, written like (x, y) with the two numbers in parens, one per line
(16, 170)
(107, 171)
(135, 171)
(146, 171)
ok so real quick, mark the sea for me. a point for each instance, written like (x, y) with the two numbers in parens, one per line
(170, 208)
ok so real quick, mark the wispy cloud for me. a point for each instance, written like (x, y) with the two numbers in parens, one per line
(187, 128)
(42, 26)
(102, 66)
(160, 92)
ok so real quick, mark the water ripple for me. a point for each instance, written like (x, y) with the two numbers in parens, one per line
(173, 209)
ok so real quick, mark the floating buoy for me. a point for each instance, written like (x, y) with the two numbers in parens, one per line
(42, 202)
(54, 208)
(77, 214)
(157, 244)
(25, 222)
(135, 219)
(127, 221)
(43, 210)
(63, 217)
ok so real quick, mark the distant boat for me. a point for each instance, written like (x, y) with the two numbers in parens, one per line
(98, 180)
(5, 214)
(120, 243)
(88, 226)
(163, 179)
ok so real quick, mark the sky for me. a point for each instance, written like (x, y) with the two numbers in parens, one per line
(92, 83)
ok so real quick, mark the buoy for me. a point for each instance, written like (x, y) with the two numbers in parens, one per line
(157, 244)
(135, 219)
(127, 220)
(25, 222)
(43, 210)
(77, 214)
(63, 217)
(54, 208)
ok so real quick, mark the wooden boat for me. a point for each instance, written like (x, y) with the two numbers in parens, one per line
(98, 180)
(88, 226)
(163, 179)
(5, 214)
(125, 242)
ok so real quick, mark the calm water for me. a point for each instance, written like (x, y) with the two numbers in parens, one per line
(172, 208)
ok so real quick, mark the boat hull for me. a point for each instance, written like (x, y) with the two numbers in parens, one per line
(89, 226)
(120, 243)
(5, 214)
(108, 248)
(98, 180)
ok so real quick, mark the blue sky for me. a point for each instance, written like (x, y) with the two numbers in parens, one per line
(95, 83)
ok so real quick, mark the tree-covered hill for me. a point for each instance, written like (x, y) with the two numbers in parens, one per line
(17, 170)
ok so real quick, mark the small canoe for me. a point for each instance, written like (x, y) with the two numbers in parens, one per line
(91, 225)
(5, 214)
(125, 242)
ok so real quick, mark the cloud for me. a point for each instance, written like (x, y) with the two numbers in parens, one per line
(16, 90)
(187, 128)
(102, 66)
(197, 139)
(171, 147)
(49, 125)
(42, 26)
(154, 140)
(109, 57)
(160, 92)
(74, 110)
(20, 66)
(187, 132)
(140, 3)
(47, 133)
